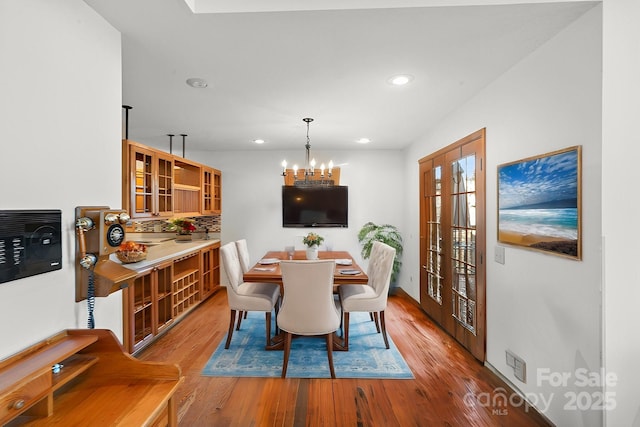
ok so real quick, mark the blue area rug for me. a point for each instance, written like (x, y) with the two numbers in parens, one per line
(367, 357)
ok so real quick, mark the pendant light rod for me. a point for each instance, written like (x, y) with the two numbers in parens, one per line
(170, 135)
(183, 135)
(308, 168)
(126, 120)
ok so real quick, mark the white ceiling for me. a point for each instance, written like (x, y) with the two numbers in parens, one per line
(268, 70)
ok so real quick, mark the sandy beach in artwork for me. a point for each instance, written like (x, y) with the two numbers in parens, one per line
(545, 243)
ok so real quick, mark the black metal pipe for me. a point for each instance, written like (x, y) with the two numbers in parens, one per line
(170, 135)
(183, 135)
(126, 120)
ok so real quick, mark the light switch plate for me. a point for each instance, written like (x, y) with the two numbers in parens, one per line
(520, 370)
(511, 359)
(499, 254)
(518, 364)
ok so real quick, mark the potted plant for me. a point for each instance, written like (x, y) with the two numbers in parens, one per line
(184, 227)
(384, 233)
(312, 241)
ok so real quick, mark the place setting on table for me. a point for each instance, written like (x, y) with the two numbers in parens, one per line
(267, 269)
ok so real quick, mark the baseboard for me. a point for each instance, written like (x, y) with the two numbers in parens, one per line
(508, 385)
(398, 291)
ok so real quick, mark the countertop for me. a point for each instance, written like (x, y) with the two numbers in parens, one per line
(162, 249)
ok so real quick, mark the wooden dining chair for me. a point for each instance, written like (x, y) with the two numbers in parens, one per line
(307, 305)
(371, 297)
(243, 296)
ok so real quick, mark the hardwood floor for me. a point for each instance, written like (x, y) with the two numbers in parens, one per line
(450, 388)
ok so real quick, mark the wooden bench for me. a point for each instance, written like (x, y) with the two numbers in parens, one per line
(98, 384)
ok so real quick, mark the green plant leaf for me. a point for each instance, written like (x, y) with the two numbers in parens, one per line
(385, 233)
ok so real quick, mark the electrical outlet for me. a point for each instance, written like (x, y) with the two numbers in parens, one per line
(499, 254)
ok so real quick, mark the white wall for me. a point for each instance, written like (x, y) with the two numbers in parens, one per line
(60, 82)
(542, 307)
(252, 201)
(621, 147)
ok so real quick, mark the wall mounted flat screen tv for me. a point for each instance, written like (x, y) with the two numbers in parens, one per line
(315, 206)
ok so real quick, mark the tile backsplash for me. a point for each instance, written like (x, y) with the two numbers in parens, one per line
(211, 223)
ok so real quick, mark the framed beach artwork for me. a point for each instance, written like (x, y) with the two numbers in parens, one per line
(539, 201)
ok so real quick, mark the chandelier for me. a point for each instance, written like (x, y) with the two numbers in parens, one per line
(310, 176)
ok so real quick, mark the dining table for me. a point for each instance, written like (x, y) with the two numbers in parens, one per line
(267, 270)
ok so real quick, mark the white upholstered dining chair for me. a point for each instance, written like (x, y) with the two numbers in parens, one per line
(308, 307)
(371, 297)
(243, 296)
(245, 263)
(243, 255)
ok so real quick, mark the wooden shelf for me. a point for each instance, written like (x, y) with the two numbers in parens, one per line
(185, 187)
(139, 308)
(46, 357)
(142, 334)
(187, 297)
(71, 368)
(184, 274)
(116, 389)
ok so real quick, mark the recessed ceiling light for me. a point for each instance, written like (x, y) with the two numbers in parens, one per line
(259, 141)
(400, 80)
(197, 83)
(363, 141)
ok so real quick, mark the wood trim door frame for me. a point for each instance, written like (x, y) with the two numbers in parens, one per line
(458, 302)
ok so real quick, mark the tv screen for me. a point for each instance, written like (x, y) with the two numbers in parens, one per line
(315, 206)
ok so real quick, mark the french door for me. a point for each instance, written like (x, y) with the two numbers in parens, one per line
(452, 240)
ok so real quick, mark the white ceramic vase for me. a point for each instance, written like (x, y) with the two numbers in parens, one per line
(312, 252)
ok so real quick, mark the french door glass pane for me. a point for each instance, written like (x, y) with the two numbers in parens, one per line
(435, 249)
(463, 241)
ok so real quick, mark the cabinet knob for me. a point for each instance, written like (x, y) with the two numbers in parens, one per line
(18, 404)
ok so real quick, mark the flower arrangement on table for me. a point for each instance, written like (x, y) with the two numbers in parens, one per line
(182, 225)
(312, 239)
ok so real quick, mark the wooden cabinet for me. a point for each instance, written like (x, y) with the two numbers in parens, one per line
(186, 283)
(147, 306)
(163, 315)
(211, 191)
(210, 270)
(158, 184)
(187, 187)
(161, 294)
(93, 382)
(148, 188)
(207, 190)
